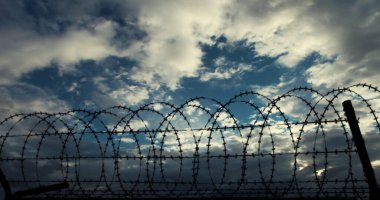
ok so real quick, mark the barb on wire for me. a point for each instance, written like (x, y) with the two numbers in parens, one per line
(294, 145)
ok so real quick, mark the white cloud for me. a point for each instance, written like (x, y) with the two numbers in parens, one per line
(376, 163)
(130, 95)
(23, 98)
(99, 82)
(72, 87)
(355, 42)
(274, 89)
(138, 124)
(291, 30)
(342, 73)
(24, 51)
(273, 26)
(294, 30)
(225, 119)
(171, 51)
(192, 107)
(127, 140)
(226, 72)
(220, 61)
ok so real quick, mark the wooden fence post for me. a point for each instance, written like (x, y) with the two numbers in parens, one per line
(362, 151)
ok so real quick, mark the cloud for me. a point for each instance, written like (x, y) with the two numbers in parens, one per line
(24, 51)
(24, 98)
(293, 30)
(130, 95)
(168, 50)
(276, 28)
(356, 42)
(99, 82)
(171, 50)
(225, 70)
(127, 140)
(275, 89)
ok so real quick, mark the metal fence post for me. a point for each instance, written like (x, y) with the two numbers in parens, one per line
(362, 151)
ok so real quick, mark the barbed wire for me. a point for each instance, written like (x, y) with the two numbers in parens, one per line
(250, 146)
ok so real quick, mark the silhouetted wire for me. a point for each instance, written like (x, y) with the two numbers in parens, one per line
(165, 165)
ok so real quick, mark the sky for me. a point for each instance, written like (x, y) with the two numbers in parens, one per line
(57, 56)
(95, 54)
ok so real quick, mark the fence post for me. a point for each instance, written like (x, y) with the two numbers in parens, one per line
(362, 151)
(35, 191)
(6, 187)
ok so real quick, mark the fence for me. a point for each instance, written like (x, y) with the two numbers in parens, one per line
(297, 145)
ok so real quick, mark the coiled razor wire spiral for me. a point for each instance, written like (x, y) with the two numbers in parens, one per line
(295, 145)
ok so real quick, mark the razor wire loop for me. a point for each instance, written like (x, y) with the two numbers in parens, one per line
(154, 178)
